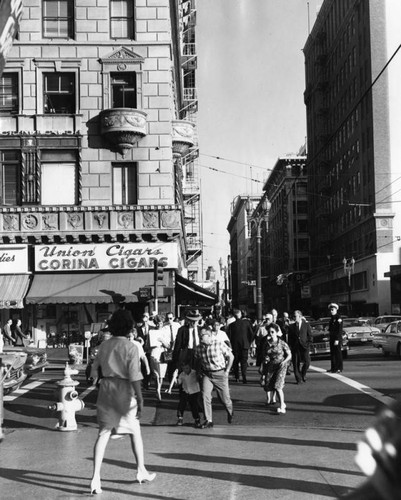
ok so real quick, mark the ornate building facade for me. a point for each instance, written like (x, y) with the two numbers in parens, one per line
(94, 142)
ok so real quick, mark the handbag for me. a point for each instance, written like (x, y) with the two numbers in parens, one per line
(167, 356)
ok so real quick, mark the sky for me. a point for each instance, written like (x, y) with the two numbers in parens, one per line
(250, 83)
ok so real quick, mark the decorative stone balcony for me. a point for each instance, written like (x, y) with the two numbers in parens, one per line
(123, 127)
(183, 136)
(60, 224)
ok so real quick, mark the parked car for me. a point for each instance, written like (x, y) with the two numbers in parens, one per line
(358, 330)
(381, 322)
(389, 341)
(20, 363)
(321, 339)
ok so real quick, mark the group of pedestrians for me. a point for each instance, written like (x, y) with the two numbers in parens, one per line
(13, 335)
(198, 355)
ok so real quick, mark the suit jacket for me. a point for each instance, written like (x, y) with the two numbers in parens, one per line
(299, 336)
(19, 335)
(240, 333)
(181, 343)
(8, 334)
(144, 336)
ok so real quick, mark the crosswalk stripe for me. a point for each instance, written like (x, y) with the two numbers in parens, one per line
(386, 400)
(23, 390)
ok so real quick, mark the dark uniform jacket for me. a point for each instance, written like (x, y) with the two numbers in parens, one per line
(336, 328)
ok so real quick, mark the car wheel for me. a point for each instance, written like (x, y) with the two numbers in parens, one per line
(398, 351)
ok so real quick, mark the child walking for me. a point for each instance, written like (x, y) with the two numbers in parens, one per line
(189, 393)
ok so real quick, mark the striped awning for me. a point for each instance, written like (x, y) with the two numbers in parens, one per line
(13, 288)
(85, 288)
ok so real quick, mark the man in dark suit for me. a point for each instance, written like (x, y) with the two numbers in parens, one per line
(299, 340)
(7, 333)
(143, 335)
(240, 333)
(186, 340)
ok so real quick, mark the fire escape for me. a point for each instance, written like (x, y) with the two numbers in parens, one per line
(190, 167)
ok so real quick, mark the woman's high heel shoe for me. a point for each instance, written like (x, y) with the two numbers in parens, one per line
(96, 487)
(142, 477)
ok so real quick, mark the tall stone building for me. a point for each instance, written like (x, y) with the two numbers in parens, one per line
(353, 153)
(97, 154)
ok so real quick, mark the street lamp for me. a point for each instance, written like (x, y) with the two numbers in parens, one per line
(223, 273)
(257, 217)
(349, 265)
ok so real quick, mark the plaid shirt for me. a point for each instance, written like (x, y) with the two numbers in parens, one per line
(212, 357)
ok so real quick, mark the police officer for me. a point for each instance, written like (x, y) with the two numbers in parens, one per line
(336, 336)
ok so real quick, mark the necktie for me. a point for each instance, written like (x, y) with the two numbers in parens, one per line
(194, 333)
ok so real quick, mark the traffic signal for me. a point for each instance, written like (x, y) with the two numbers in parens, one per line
(158, 270)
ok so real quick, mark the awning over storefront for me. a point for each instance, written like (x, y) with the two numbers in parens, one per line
(13, 289)
(87, 288)
(189, 293)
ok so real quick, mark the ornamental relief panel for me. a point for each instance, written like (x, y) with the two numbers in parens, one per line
(125, 220)
(10, 222)
(30, 222)
(100, 220)
(75, 220)
(170, 219)
(150, 220)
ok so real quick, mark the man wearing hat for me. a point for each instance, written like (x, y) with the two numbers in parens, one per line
(186, 340)
(336, 337)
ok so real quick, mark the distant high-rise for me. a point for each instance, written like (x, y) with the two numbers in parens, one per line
(352, 154)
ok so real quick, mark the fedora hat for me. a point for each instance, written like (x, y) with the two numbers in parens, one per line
(194, 315)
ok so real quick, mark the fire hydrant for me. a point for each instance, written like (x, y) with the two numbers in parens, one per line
(69, 401)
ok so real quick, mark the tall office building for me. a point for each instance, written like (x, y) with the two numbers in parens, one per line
(353, 153)
(97, 153)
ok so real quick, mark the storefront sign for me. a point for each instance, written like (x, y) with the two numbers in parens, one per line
(116, 256)
(13, 259)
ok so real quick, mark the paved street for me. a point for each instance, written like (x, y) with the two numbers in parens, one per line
(306, 454)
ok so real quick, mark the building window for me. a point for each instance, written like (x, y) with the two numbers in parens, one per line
(59, 93)
(58, 18)
(58, 177)
(9, 93)
(123, 90)
(122, 19)
(125, 191)
(9, 168)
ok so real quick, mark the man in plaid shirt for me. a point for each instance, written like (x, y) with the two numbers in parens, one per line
(213, 361)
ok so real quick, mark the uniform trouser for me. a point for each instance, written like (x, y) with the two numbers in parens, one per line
(240, 358)
(219, 381)
(336, 357)
(300, 355)
(194, 404)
